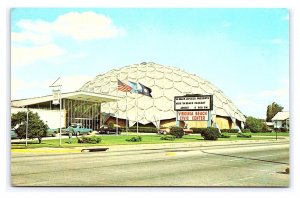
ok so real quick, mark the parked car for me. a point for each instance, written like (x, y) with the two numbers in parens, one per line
(164, 131)
(108, 130)
(54, 132)
(13, 134)
(77, 129)
(187, 131)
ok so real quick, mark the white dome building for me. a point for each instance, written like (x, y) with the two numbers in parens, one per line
(165, 82)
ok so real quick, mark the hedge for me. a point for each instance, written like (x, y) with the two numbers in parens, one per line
(198, 130)
(168, 137)
(141, 129)
(89, 139)
(225, 135)
(246, 131)
(244, 135)
(135, 139)
(229, 130)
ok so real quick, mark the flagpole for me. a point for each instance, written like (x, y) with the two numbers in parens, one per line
(117, 108)
(126, 117)
(137, 114)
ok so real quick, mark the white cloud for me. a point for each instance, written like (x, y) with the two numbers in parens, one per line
(73, 83)
(37, 38)
(29, 89)
(276, 93)
(18, 86)
(277, 41)
(255, 104)
(27, 55)
(87, 26)
(78, 26)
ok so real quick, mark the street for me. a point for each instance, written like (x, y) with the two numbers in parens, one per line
(226, 164)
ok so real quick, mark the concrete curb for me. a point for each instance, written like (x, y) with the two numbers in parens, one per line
(143, 146)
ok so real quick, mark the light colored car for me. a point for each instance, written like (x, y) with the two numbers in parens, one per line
(77, 129)
(13, 134)
(54, 132)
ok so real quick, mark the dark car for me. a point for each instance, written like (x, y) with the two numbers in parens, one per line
(108, 130)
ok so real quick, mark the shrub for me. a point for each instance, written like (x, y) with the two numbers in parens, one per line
(283, 129)
(246, 131)
(168, 137)
(229, 130)
(89, 139)
(176, 131)
(255, 125)
(211, 134)
(111, 125)
(244, 135)
(198, 130)
(135, 139)
(225, 135)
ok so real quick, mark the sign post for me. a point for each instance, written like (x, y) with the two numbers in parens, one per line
(209, 119)
(177, 121)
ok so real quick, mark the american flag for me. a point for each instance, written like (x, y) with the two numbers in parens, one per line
(123, 87)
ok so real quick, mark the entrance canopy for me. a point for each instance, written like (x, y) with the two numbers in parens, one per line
(78, 95)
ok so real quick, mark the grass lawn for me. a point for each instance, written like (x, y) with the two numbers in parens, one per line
(285, 134)
(121, 140)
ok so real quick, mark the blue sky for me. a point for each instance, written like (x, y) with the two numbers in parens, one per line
(244, 52)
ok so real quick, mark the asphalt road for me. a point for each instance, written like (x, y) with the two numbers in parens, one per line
(251, 164)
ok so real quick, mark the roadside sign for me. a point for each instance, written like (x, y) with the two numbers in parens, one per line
(56, 96)
(193, 115)
(190, 103)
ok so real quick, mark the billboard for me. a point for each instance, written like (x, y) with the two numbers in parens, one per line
(190, 103)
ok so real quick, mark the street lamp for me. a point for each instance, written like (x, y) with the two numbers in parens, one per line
(56, 91)
(26, 126)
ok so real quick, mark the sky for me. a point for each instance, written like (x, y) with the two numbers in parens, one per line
(243, 52)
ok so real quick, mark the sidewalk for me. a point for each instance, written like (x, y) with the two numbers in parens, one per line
(115, 148)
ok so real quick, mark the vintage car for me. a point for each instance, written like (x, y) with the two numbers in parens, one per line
(77, 129)
(13, 134)
(109, 130)
(54, 132)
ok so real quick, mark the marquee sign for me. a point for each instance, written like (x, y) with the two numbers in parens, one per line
(191, 103)
(193, 115)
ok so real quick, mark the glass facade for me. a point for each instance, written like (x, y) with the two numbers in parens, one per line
(86, 113)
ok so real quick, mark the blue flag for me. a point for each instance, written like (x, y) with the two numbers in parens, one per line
(133, 85)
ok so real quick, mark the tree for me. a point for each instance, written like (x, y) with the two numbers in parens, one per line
(272, 110)
(255, 125)
(36, 127)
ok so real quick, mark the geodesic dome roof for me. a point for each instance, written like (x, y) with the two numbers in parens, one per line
(165, 82)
